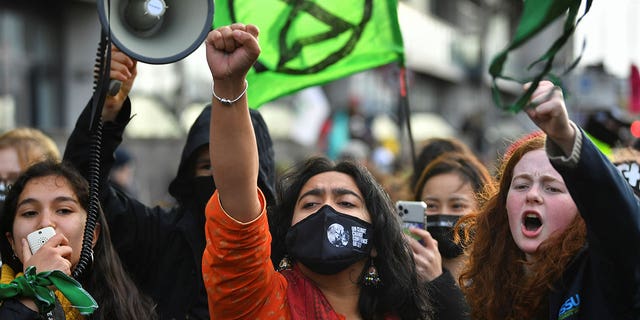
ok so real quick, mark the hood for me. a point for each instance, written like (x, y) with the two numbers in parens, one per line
(198, 136)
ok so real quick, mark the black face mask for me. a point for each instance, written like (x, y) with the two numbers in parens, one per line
(328, 241)
(203, 188)
(440, 226)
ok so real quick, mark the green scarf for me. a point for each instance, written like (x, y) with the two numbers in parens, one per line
(536, 15)
(36, 286)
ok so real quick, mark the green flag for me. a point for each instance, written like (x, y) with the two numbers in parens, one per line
(536, 15)
(311, 42)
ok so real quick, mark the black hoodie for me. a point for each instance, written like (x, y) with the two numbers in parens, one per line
(199, 136)
(162, 248)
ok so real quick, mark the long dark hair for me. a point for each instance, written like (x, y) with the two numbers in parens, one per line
(401, 293)
(106, 281)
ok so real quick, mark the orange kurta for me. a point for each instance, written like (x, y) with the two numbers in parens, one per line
(237, 271)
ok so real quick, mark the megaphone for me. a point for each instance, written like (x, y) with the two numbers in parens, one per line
(150, 31)
(156, 31)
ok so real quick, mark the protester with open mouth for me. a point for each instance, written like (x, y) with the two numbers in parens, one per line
(560, 238)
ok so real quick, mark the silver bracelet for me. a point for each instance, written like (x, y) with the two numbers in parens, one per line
(228, 102)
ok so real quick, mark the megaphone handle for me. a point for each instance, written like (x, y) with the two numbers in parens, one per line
(114, 87)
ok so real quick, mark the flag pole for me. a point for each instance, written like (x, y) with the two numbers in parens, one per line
(405, 112)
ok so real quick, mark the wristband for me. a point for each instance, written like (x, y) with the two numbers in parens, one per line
(228, 102)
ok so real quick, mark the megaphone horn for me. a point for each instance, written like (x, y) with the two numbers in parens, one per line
(156, 31)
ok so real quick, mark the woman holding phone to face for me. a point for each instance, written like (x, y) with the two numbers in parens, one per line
(51, 194)
(449, 186)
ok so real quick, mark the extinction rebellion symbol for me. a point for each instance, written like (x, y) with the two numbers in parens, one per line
(291, 50)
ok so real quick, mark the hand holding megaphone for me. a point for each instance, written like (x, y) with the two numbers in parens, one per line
(154, 31)
(123, 72)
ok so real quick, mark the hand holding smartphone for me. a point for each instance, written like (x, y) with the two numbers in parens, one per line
(39, 237)
(412, 214)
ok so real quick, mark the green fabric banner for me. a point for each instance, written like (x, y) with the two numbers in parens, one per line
(311, 42)
(536, 16)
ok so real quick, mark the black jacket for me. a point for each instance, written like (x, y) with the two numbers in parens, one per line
(161, 248)
(447, 298)
(603, 280)
(12, 309)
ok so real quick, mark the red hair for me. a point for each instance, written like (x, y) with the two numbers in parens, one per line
(494, 279)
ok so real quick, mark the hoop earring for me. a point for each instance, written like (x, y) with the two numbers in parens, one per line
(285, 264)
(372, 278)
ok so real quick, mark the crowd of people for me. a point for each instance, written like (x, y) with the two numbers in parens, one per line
(552, 232)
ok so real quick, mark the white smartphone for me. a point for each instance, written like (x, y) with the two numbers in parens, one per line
(412, 213)
(39, 237)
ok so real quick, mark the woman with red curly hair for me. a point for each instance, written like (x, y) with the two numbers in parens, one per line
(560, 237)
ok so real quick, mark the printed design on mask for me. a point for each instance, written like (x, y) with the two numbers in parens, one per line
(442, 223)
(359, 234)
(339, 237)
(328, 241)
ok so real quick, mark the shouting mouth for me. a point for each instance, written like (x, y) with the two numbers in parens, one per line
(531, 224)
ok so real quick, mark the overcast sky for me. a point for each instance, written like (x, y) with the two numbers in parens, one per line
(612, 31)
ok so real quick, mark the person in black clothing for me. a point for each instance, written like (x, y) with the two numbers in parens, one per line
(162, 248)
(560, 236)
(123, 171)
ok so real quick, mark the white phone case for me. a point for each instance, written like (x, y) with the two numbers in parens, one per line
(412, 213)
(38, 238)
